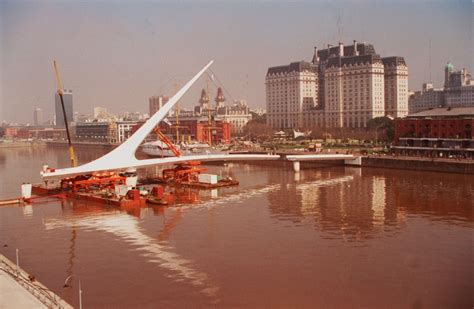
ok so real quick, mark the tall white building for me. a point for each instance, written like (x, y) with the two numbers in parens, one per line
(291, 90)
(396, 86)
(38, 116)
(343, 86)
(156, 102)
(354, 90)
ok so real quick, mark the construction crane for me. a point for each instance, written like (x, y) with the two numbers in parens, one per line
(166, 140)
(177, 111)
(72, 155)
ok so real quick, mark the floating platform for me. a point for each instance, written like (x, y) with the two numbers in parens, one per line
(133, 198)
(98, 198)
(40, 189)
(12, 202)
(93, 196)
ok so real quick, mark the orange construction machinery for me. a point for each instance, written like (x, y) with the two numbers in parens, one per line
(167, 142)
(184, 172)
(98, 180)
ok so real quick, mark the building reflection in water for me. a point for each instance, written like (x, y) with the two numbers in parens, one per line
(378, 200)
(356, 204)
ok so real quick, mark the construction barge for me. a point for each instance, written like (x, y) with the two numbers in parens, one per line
(189, 175)
(125, 189)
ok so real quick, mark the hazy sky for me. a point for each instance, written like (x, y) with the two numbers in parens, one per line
(116, 54)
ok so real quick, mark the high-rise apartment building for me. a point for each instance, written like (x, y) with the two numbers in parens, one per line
(68, 107)
(396, 86)
(343, 86)
(291, 90)
(156, 102)
(354, 89)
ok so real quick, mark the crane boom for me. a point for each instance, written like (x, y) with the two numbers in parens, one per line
(167, 142)
(72, 155)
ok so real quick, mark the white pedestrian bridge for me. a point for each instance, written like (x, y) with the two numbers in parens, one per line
(123, 156)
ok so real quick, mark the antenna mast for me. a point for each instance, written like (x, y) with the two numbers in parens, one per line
(429, 59)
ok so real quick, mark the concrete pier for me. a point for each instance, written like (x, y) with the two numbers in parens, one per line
(296, 166)
(17, 290)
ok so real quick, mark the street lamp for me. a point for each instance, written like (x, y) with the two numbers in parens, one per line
(66, 285)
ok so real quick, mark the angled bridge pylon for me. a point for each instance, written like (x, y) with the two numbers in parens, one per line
(123, 156)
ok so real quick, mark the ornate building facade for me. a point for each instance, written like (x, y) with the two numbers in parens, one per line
(291, 91)
(343, 86)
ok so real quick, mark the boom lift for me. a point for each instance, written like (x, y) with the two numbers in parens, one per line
(167, 142)
(182, 172)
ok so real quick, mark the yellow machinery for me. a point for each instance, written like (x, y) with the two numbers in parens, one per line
(72, 156)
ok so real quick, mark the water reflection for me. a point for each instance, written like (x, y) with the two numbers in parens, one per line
(329, 231)
(355, 204)
(128, 229)
(3, 158)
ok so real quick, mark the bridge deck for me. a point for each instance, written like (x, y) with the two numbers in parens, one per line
(318, 157)
(85, 169)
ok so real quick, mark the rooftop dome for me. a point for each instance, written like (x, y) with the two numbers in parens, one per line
(449, 66)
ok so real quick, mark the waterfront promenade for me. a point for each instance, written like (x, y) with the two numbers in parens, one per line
(19, 290)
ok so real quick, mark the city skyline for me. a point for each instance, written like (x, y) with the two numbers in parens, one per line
(117, 55)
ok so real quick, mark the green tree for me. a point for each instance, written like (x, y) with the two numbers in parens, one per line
(383, 128)
(257, 127)
(258, 118)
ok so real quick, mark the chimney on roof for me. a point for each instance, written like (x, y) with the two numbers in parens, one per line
(341, 49)
(329, 46)
(356, 52)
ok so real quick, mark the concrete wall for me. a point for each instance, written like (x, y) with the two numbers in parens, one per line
(420, 165)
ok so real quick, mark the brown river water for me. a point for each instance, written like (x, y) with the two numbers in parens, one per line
(328, 237)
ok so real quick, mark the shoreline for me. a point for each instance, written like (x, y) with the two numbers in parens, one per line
(22, 290)
(442, 165)
(419, 164)
(4, 145)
